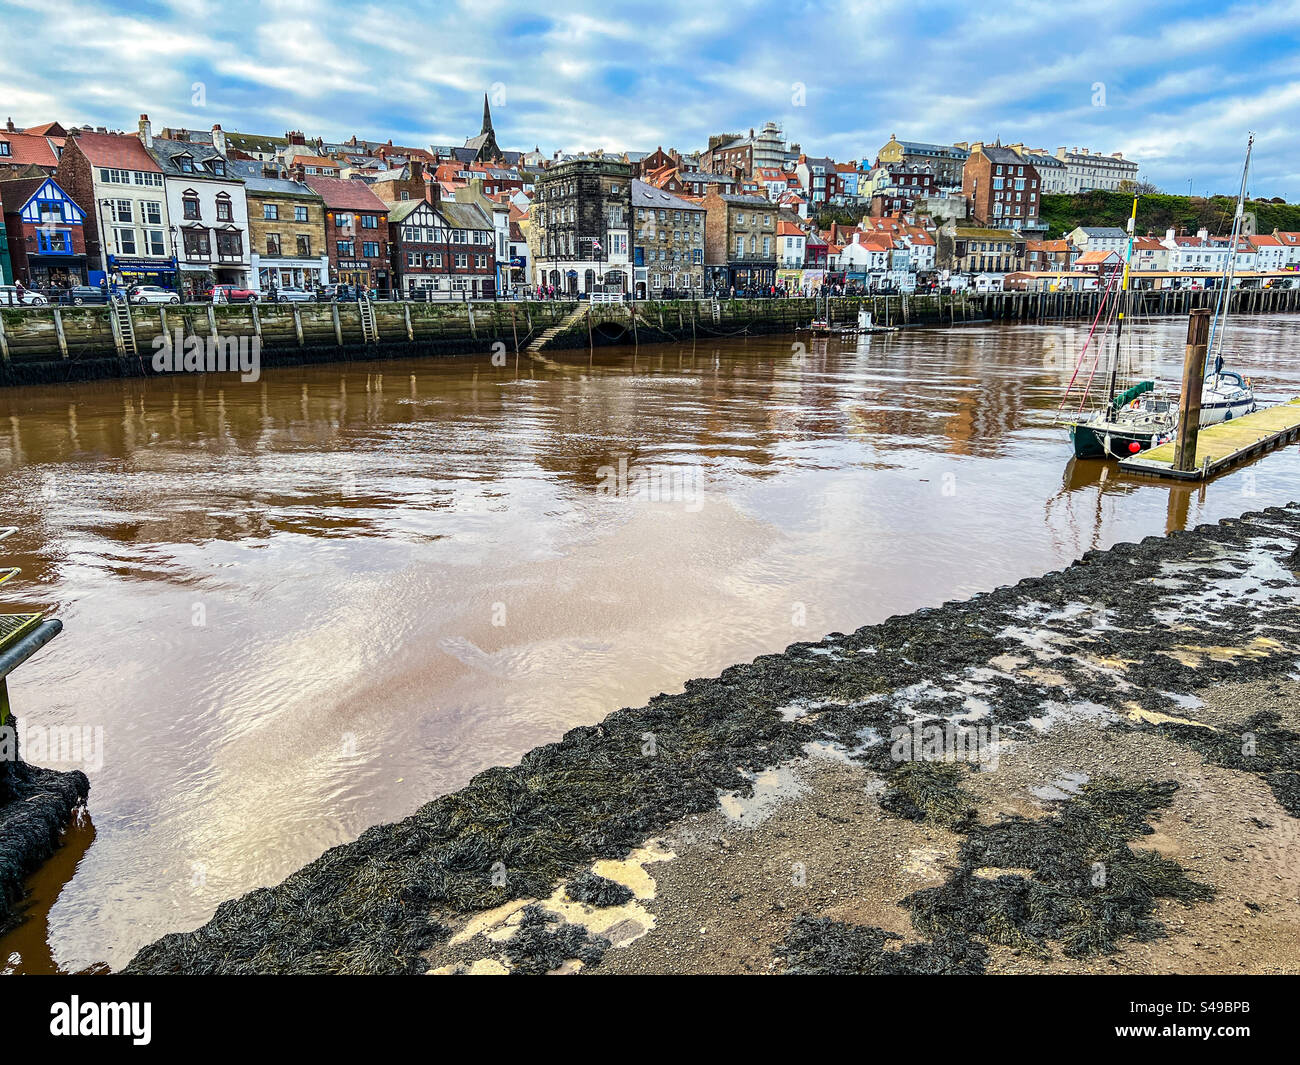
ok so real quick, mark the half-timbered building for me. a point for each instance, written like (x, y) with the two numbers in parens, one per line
(46, 233)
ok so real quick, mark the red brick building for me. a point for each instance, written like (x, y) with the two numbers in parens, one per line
(46, 233)
(356, 231)
(1002, 188)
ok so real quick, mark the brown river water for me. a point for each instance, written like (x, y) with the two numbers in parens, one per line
(298, 607)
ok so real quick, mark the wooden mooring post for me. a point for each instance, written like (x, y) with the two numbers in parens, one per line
(1189, 402)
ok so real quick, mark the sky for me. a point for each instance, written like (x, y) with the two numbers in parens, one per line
(1175, 86)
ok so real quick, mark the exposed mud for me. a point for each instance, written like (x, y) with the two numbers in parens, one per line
(1114, 645)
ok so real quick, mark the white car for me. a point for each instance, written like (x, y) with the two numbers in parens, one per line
(152, 294)
(9, 297)
(293, 295)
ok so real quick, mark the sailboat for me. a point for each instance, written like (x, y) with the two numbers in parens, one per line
(1143, 415)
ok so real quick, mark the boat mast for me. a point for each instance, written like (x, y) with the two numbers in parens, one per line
(1224, 299)
(1123, 304)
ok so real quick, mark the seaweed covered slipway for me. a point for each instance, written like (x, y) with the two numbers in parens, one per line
(1129, 802)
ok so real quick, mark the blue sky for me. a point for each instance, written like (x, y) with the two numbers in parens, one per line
(1173, 85)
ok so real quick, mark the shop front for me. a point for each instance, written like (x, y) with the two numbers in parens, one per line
(196, 283)
(355, 273)
(304, 274)
(790, 280)
(746, 277)
(55, 271)
(124, 271)
(362, 273)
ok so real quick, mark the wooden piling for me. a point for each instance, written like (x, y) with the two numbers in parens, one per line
(58, 328)
(1189, 402)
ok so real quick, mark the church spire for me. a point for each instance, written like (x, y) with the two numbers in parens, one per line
(487, 116)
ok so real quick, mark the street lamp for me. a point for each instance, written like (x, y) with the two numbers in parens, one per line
(103, 240)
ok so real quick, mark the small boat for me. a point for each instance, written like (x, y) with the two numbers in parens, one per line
(1143, 415)
(822, 327)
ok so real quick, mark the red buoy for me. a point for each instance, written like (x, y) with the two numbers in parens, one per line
(1134, 447)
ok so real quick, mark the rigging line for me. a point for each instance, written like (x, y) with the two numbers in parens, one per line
(1223, 299)
(1097, 356)
(1096, 362)
(1123, 301)
(1078, 365)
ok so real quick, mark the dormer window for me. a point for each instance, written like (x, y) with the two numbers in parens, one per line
(185, 164)
(5, 148)
(219, 167)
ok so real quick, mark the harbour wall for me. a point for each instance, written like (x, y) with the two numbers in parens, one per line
(75, 343)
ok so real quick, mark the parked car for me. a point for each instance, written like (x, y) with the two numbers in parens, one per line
(233, 294)
(151, 294)
(79, 294)
(9, 296)
(330, 293)
(292, 295)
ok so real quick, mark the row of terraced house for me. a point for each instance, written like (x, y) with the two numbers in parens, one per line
(190, 210)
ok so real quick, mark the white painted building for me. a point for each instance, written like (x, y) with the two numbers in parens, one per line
(208, 210)
(1291, 243)
(1098, 238)
(791, 245)
(1149, 254)
(1270, 252)
(1053, 172)
(1196, 253)
(1086, 170)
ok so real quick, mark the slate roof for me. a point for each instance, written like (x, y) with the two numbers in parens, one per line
(464, 215)
(250, 172)
(166, 151)
(644, 195)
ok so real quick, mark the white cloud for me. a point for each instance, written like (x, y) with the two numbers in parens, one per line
(1183, 80)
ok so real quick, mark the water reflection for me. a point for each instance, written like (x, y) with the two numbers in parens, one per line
(305, 605)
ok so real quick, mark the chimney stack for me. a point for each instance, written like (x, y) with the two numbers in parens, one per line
(219, 139)
(146, 131)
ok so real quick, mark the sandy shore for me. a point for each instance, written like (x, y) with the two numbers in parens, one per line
(1124, 797)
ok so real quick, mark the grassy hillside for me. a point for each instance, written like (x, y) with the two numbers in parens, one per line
(1158, 212)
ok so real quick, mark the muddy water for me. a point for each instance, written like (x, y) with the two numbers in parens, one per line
(299, 607)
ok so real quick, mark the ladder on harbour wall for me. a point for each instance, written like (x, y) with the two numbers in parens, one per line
(123, 327)
(369, 328)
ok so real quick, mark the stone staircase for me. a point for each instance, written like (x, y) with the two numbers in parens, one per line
(539, 342)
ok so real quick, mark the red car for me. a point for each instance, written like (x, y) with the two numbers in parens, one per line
(233, 294)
